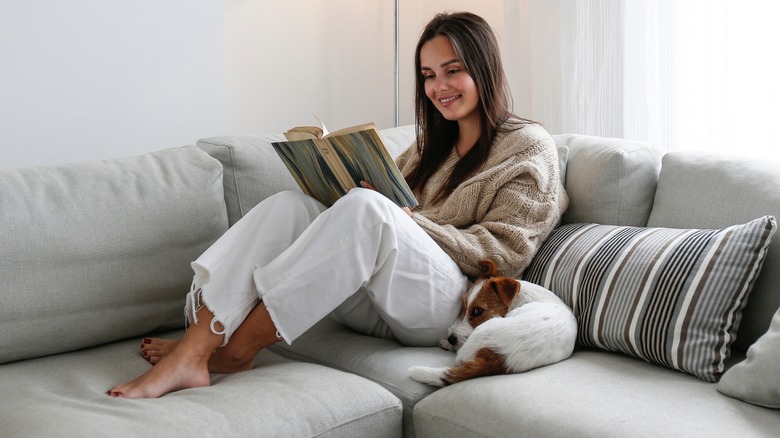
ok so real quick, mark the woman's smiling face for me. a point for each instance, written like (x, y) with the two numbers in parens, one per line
(447, 83)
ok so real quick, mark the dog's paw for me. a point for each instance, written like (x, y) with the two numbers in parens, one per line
(428, 375)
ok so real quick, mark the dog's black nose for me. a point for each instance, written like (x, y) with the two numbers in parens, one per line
(452, 339)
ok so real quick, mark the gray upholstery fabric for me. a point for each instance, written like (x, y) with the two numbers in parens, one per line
(398, 139)
(380, 360)
(609, 181)
(99, 251)
(95, 252)
(65, 396)
(253, 170)
(756, 379)
(592, 394)
(706, 191)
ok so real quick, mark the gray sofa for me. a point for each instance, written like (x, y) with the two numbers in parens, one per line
(94, 256)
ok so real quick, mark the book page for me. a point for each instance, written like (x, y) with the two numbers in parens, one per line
(303, 133)
(307, 132)
(351, 129)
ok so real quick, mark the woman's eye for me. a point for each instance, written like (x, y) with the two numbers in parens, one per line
(428, 77)
(477, 311)
(452, 72)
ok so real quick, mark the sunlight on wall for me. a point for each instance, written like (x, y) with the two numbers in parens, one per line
(725, 92)
(288, 61)
(688, 75)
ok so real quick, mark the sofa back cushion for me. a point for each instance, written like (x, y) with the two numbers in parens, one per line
(698, 190)
(253, 171)
(95, 252)
(609, 181)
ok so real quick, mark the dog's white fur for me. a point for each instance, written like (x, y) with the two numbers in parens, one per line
(538, 329)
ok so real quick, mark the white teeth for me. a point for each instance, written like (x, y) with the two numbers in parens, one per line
(449, 99)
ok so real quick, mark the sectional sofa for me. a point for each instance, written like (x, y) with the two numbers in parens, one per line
(679, 328)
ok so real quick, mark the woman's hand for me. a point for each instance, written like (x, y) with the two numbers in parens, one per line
(367, 185)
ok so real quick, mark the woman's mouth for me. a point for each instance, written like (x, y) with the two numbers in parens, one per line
(447, 101)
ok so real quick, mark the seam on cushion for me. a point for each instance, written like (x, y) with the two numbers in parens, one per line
(623, 155)
(445, 420)
(290, 354)
(364, 416)
(231, 150)
(621, 172)
(231, 153)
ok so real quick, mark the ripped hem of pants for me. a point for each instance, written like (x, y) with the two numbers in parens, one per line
(194, 304)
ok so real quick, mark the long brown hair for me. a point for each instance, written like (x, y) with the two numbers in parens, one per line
(477, 48)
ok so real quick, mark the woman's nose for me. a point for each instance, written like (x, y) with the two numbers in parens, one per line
(440, 83)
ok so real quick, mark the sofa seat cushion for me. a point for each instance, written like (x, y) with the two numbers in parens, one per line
(95, 252)
(591, 394)
(380, 360)
(64, 395)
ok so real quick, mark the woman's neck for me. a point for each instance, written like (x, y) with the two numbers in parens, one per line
(468, 134)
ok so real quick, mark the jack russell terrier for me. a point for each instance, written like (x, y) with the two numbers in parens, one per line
(503, 331)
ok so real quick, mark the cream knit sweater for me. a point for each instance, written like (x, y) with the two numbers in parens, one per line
(502, 213)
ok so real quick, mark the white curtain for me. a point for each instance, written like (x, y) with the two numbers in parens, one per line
(685, 74)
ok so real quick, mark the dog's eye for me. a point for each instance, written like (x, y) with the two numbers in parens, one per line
(475, 312)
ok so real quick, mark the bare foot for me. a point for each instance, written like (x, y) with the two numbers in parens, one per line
(154, 349)
(186, 366)
(178, 370)
(255, 333)
(225, 360)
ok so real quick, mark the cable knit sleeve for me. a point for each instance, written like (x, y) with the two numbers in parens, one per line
(505, 212)
(403, 159)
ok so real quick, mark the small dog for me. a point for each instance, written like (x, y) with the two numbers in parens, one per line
(502, 331)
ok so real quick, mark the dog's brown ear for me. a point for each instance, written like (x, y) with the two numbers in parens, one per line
(506, 289)
(488, 268)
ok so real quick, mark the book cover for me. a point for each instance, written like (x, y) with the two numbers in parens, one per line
(327, 165)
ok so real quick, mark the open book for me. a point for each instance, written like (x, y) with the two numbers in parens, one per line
(327, 165)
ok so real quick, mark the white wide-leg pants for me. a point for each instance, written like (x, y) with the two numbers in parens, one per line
(363, 260)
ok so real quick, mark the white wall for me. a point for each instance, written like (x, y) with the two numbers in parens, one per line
(334, 58)
(93, 79)
(289, 60)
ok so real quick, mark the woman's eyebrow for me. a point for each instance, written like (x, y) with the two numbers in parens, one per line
(443, 64)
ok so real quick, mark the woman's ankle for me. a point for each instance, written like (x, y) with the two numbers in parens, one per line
(228, 362)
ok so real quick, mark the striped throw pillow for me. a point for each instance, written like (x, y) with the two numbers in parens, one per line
(673, 297)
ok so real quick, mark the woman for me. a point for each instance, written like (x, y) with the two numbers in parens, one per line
(488, 187)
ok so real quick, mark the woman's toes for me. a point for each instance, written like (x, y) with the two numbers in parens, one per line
(154, 349)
